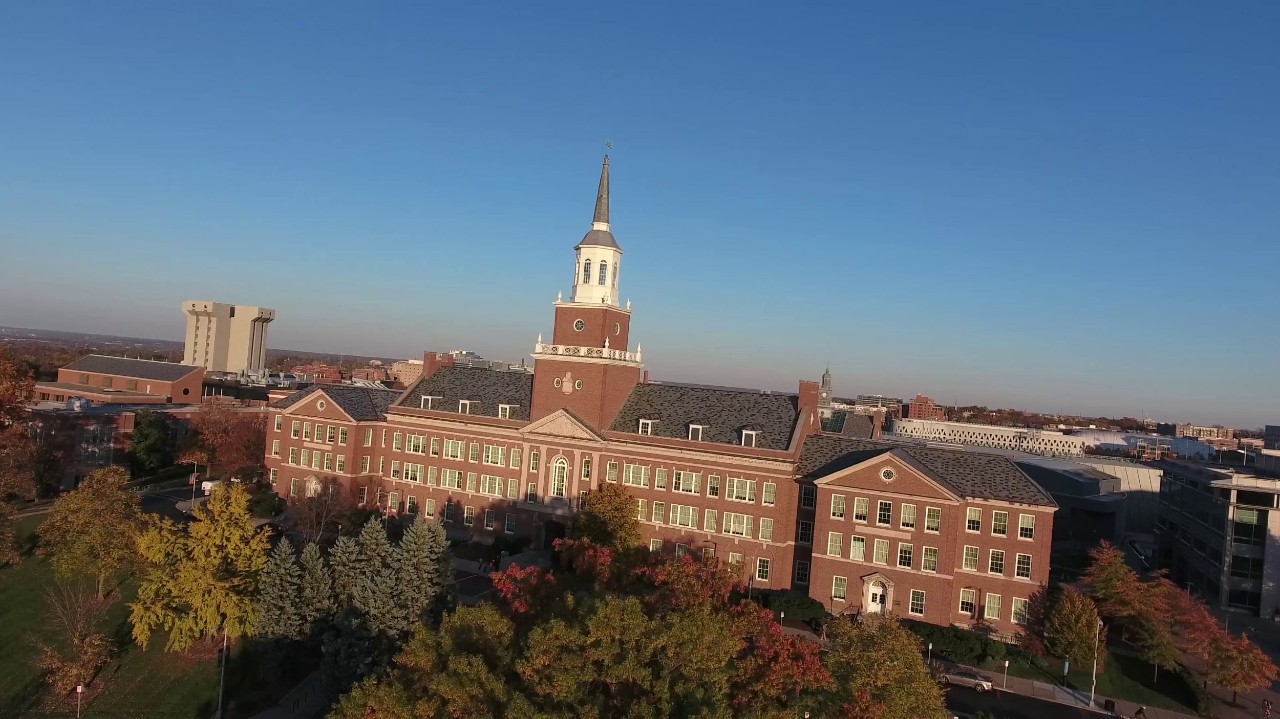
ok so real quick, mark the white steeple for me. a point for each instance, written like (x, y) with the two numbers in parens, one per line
(598, 258)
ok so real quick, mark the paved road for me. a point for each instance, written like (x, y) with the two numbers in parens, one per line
(1016, 706)
(163, 502)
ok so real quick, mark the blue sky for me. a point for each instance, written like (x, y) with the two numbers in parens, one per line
(1053, 205)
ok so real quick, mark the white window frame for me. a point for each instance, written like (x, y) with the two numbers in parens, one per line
(735, 524)
(646, 427)
(991, 562)
(427, 401)
(1027, 524)
(970, 597)
(464, 406)
(763, 568)
(1017, 566)
(965, 555)
(802, 571)
(903, 521)
(911, 603)
(858, 548)
(468, 516)
(880, 512)
(505, 410)
(840, 588)
(740, 490)
(295, 429)
(910, 554)
(929, 560)
(453, 449)
(560, 478)
(769, 494)
(933, 515)
(509, 523)
(838, 506)
(275, 448)
(696, 432)
(750, 437)
(970, 518)
(635, 475)
(988, 605)
(683, 484)
(279, 424)
(995, 523)
(683, 515)
(877, 555)
(835, 544)
(1019, 606)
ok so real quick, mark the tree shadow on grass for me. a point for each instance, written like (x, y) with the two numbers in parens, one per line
(25, 699)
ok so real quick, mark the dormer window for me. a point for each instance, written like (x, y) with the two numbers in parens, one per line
(506, 410)
(464, 406)
(429, 402)
(750, 437)
(695, 432)
(646, 426)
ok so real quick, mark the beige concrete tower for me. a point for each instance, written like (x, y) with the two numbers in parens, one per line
(226, 338)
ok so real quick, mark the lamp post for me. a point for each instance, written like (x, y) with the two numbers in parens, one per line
(195, 477)
(929, 661)
(781, 618)
(79, 692)
(1006, 674)
(1093, 684)
(222, 680)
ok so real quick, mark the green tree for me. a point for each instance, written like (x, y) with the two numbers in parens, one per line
(1115, 587)
(1071, 628)
(1155, 640)
(879, 671)
(93, 530)
(608, 518)
(18, 453)
(280, 612)
(201, 580)
(149, 446)
(423, 571)
(316, 598)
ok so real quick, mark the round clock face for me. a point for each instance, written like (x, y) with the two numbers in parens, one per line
(579, 325)
(617, 328)
(887, 474)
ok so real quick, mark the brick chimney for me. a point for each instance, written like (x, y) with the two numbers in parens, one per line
(810, 421)
(877, 422)
(432, 361)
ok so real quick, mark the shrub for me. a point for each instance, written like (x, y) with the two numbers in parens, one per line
(798, 606)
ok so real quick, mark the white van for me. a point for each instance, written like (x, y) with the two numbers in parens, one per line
(208, 486)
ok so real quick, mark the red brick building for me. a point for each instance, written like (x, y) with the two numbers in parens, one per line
(121, 380)
(745, 475)
(923, 407)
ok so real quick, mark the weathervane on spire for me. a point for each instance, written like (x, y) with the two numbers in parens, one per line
(608, 145)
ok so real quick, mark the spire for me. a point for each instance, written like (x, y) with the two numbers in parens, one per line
(602, 199)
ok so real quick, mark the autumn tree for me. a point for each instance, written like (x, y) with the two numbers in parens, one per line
(322, 507)
(201, 580)
(1031, 636)
(1071, 629)
(878, 671)
(93, 530)
(1113, 585)
(149, 445)
(230, 439)
(18, 453)
(75, 617)
(1236, 663)
(608, 518)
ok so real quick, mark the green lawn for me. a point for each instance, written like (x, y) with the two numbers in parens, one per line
(149, 682)
(1125, 676)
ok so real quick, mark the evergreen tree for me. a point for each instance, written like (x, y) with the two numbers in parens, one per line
(374, 592)
(149, 444)
(280, 596)
(423, 571)
(316, 600)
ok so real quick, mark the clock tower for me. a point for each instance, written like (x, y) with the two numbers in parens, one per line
(588, 367)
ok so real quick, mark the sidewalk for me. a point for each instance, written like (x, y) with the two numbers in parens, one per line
(1073, 697)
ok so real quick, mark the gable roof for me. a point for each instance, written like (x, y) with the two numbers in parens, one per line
(849, 424)
(364, 404)
(968, 474)
(723, 412)
(127, 367)
(485, 388)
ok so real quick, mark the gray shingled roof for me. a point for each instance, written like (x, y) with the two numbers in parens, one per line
(364, 404)
(126, 367)
(724, 413)
(486, 388)
(968, 474)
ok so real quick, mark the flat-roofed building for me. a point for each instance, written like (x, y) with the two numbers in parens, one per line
(122, 380)
(226, 338)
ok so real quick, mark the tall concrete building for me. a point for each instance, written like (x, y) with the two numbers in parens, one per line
(226, 338)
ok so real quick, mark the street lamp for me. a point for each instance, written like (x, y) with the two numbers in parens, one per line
(929, 661)
(1006, 674)
(781, 618)
(79, 691)
(1093, 685)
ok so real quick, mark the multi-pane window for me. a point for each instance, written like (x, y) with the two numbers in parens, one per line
(534, 463)
(474, 454)
(713, 485)
(451, 478)
(411, 504)
(364, 464)
(531, 492)
(428, 402)
(839, 588)
(916, 606)
(659, 513)
(1022, 566)
(973, 519)
(488, 519)
(397, 441)
(835, 541)
(636, 475)
(684, 516)
(1019, 611)
(274, 474)
(1000, 524)
(968, 601)
(808, 496)
(905, 552)
(586, 470)
(929, 559)
(1026, 526)
(766, 529)
(509, 523)
(493, 455)
(660, 478)
(686, 482)
(491, 485)
(992, 606)
(655, 545)
(315, 459)
(735, 559)
(770, 494)
(306, 430)
(681, 549)
(610, 472)
(368, 437)
(884, 512)
(471, 481)
(646, 427)
(296, 429)
(858, 549)
(293, 487)
(559, 477)
(452, 449)
(342, 435)
(275, 448)
(504, 411)
(279, 422)
(802, 572)
(515, 457)
(332, 434)
(996, 564)
(469, 516)
(970, 560)
(513, 488)
(362, 495)
(306, 457)
(708, 552)
(709, 520)
(749, 437)
(740, 490)
(450, 511)
(881, 555)
(860, 509)
(429, 508)
(738, 525)
(762, 569)
(805, 535)
(412, 472)
(932, 519)
(395, 468)
(432, 476)
(695, 432)
(464, 406)
(293, 455)
(837, 506)
(908, 516)
(415, 444)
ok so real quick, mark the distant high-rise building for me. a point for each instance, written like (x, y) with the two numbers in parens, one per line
(226, 338)
(923, 407)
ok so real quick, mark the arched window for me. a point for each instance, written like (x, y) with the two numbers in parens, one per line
(586, 272)
(604, 271)
(559, 477)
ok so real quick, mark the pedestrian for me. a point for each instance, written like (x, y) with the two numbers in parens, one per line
(1266, 709)
(1141, 713)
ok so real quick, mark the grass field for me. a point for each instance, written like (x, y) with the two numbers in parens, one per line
(138, 682)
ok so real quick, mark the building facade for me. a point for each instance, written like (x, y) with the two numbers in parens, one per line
(1201, 432)
(925, 408)
(736, 474)
(406, 372)
(226, 338)
(122, 380)
(1032, 441)
(1271, 436)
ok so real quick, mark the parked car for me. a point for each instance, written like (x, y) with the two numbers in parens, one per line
(208, 486)
(967, 678)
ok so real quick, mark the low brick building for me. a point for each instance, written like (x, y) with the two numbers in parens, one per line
(744, 475)
(122, 380)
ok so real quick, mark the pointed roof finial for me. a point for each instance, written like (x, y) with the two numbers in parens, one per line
(602, 194)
